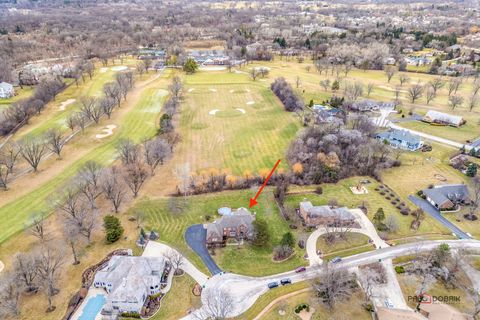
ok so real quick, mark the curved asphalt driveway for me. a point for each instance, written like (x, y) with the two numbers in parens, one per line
(195, 237)
(432, 211)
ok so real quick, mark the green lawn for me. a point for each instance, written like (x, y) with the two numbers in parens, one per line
(178, 300)
(137, 124)
(249, 132)
(247, 260)
(354, 243)
(21, 93)
(469, 131)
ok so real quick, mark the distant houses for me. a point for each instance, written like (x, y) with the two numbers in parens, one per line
(234, 224)
(314, 216)
(325, 114)
(400, 139)
(6, 90)
(130, 280)
(447, 197)
(440, 118)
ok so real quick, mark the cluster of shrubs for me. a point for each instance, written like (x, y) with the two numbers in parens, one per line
(303, 306)
(131, 314)
(394, 199)
(285, 93)
(399, 269)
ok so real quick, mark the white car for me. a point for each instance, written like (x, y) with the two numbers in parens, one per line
(389, 303)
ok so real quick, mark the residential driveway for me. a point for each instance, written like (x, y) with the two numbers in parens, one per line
(195, 237)
(432, 211)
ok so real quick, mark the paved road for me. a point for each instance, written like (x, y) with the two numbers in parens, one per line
(195, 237)
(248, 289)
(432, 211)
(444, 141)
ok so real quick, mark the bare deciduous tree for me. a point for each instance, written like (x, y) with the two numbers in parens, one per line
(10, 294)
(436, 84)
(113, 187)
(32, 150)
(55, 141)
(325, 84)
(403, 78)
(429, 94)
(415, 92)
(455, 101)
(26, 269)
(333, 285)
(38, 226)
(155, 151)
(72, 234)
(135, 175)
(370, 87)
(176, 260)
(216, 305)
(390, 72)
(176, 87)
(127, 151)
(454, 85)
(49, 266)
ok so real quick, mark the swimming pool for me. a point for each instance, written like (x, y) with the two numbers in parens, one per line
(93, 307)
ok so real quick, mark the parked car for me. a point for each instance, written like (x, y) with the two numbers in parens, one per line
(389, 303)
(336, 260)
(285, 281)
(300, 269)
(272, 285)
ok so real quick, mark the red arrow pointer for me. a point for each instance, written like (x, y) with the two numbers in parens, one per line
(253, 201)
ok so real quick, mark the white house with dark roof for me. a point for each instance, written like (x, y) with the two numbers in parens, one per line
(6, 90)
(130, 280)
(448, 196)
(238, 224)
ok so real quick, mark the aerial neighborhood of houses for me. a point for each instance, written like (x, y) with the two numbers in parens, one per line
(240, 160)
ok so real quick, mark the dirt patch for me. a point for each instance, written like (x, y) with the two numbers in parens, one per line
(359, 190)
(107, 131)
(212, 112)
(306, 315)
(439, 177)
(66, 103)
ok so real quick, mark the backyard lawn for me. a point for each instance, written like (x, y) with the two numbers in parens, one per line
(179, 300)
(372, 200)
(354, 243)
(172, 216)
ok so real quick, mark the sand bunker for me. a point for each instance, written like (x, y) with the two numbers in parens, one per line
(103, 70)
(248, 90)
(232, 91)
(212, 112)
(1, 266)
(191, 89)
(212, 68)
(213, 90)
(241, 110)
(119, 68)
(250, 102)
(66, 103)
(107, 131)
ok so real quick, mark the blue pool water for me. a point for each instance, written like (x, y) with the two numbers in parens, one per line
(93, 307)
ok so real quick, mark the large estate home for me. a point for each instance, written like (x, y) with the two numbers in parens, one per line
(447, 197)
(325, 215)
(401, 139)
(236, 224)
(129, 281)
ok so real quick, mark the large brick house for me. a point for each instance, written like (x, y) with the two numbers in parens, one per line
(325, 215)
(238, 225)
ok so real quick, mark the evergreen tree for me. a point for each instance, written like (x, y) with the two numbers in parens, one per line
(287, 240)
(471, 170)
(379, 217)
(335, 85)
(113, 228)
(190, 66)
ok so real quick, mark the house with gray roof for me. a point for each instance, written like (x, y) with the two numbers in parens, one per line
(129, 281)
(448, 196)
(325, 215)
(437, 117)
(6, 90)
(237, 225)
(400, 139)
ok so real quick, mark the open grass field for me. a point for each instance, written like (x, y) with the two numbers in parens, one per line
(231, 123)
(373, 200)
(179, 300)
(20, 93)
(172, 216)
(354, 243)
(136, 122)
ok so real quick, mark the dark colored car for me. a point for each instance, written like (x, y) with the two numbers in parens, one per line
(272, 285)
(336, 260)
(300, 269)
(285, 281)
